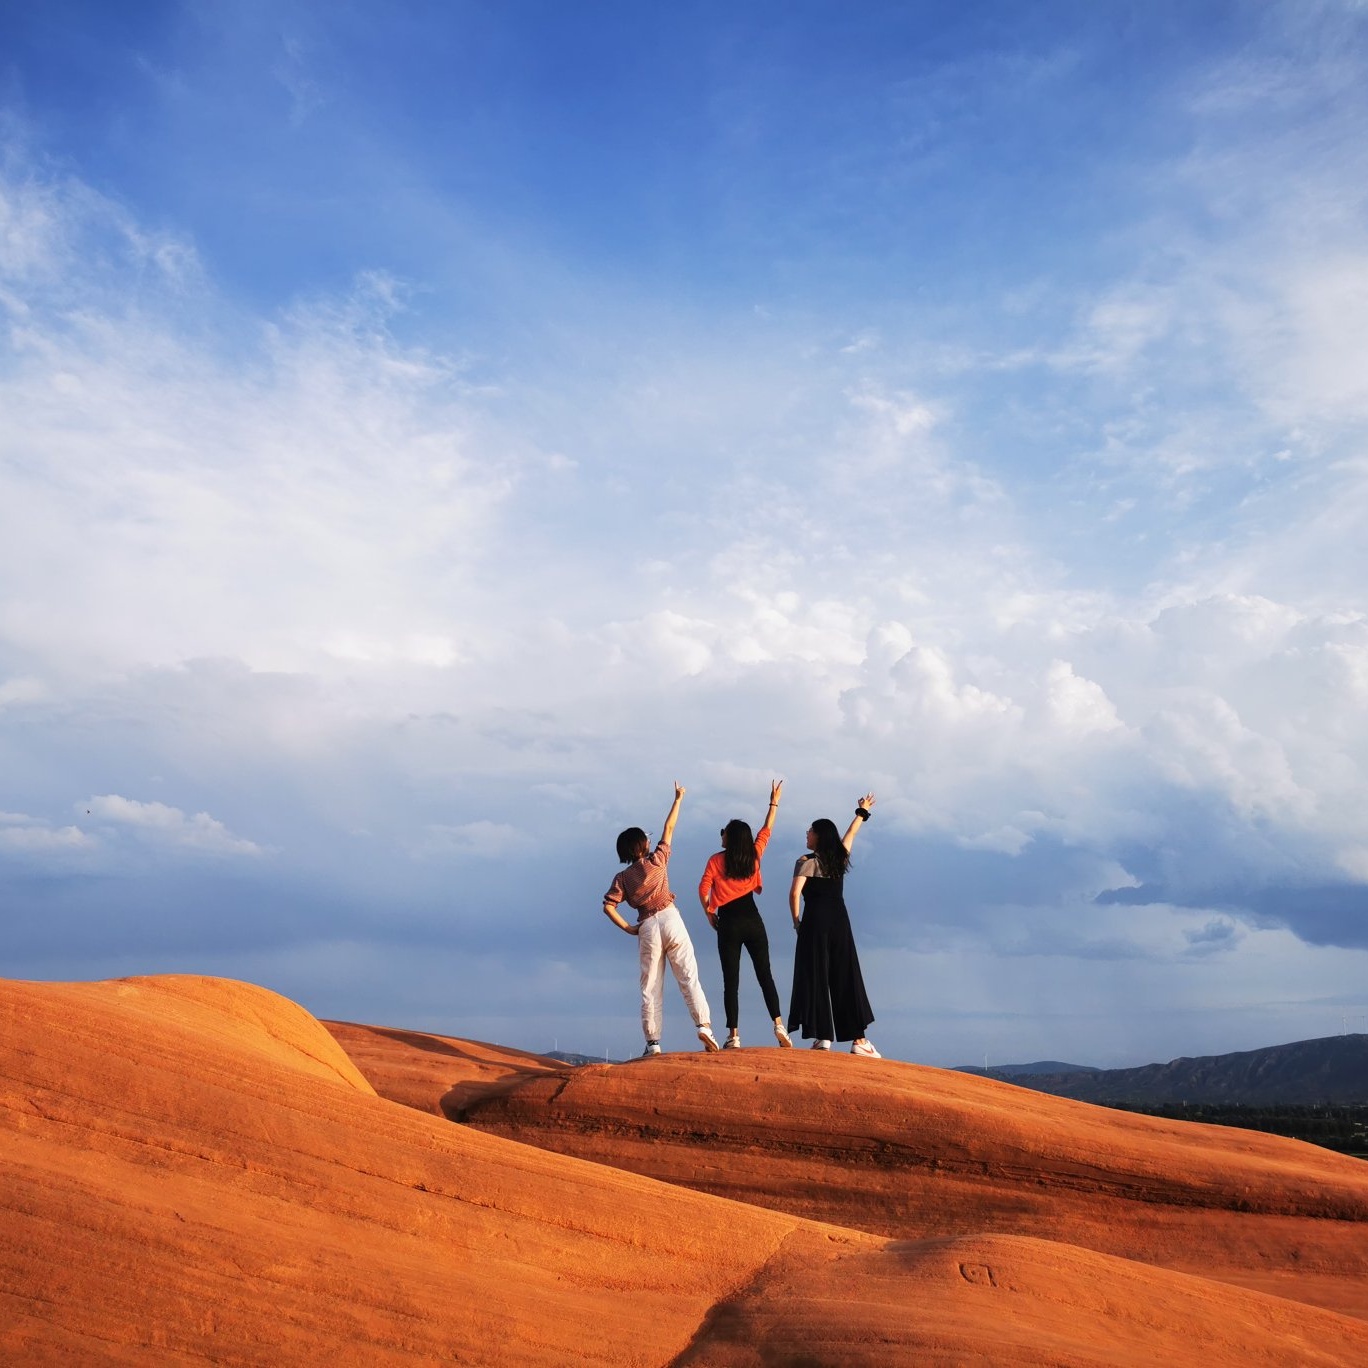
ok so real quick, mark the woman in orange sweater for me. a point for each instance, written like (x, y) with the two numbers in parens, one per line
(727, 892)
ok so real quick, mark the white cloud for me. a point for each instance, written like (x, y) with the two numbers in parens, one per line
(24, 835)
(1119, 328)
(341, 509)
(1004, 840)
(1354, 862)
(159, 822)
(1100, 592)
(1078, 705)
(21, 689)
(483, 840)
(1201, 743)
(317, 497)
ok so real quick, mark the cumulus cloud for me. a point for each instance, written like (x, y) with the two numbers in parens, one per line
(1086, 608)
(158, 822)
(1076, 704)
(21, 834)
(342, 526)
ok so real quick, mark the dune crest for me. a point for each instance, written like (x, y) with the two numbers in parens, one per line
(188, 1174)
(179, 1172)
(1001, 1300)
(911, 1152)
(238, 1016)
(437, 1074)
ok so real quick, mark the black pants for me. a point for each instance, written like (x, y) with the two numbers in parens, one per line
(738, 924)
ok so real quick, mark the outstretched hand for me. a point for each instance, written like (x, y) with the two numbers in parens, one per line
(867, 802)
(679, 790)
(776, 788)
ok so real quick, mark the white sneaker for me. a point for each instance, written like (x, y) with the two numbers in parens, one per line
(782, 1036)
(865, 1048)
(652, 1047)
(709, 1040)
(732, 1042)
(821, 1044)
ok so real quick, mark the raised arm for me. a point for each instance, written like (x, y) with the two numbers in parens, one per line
(862, 810)
(668, 834)
(776, 788)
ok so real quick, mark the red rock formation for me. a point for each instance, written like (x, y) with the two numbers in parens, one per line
(911, 1152)
(194, 1170)
(436, 1074)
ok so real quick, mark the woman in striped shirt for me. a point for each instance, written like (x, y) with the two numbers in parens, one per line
(661, 934)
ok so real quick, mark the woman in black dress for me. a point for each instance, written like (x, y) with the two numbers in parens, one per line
(829, 1001)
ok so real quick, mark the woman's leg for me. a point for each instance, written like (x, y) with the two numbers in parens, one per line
(652, 977)
(729, 940)
(756, 940)
(674, 937)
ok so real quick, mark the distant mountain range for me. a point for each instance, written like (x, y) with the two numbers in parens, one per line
(1307, 1072)
(1041, 1066)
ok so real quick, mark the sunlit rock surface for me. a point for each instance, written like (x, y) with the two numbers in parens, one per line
(196, 1170)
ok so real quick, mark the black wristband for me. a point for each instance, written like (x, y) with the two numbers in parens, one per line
(863, 814)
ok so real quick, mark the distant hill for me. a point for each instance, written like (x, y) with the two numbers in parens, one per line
(1308, 1072)
(1041, 1066)
(567, 1057)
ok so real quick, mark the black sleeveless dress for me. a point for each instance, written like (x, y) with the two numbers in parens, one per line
(829, 1000)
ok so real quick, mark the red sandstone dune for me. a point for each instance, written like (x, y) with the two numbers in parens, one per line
(912, 1152)
(437, 1074)
(193, 1170)
(926, 1152)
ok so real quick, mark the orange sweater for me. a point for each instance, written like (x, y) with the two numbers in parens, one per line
(715, 888)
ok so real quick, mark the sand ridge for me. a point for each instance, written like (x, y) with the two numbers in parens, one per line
(181, 1179)
(435, 1073)
(912, 1152)
(999, 1300)
(189, 1173)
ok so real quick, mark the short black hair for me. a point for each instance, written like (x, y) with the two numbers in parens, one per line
(629, 844)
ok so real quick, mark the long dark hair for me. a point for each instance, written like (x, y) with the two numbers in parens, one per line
(832, 857)
(738, 847)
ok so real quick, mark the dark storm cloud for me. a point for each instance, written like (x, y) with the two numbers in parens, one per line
(1318, 913)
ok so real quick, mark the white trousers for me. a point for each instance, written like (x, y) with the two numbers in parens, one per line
(665, 937)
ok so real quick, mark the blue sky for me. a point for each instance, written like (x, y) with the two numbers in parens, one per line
(427, 430)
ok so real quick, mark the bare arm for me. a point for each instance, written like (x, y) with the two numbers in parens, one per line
(795, 898)
(705, 888)
(668, 834)
(776, 788)
(616, 918)
(856, 822)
